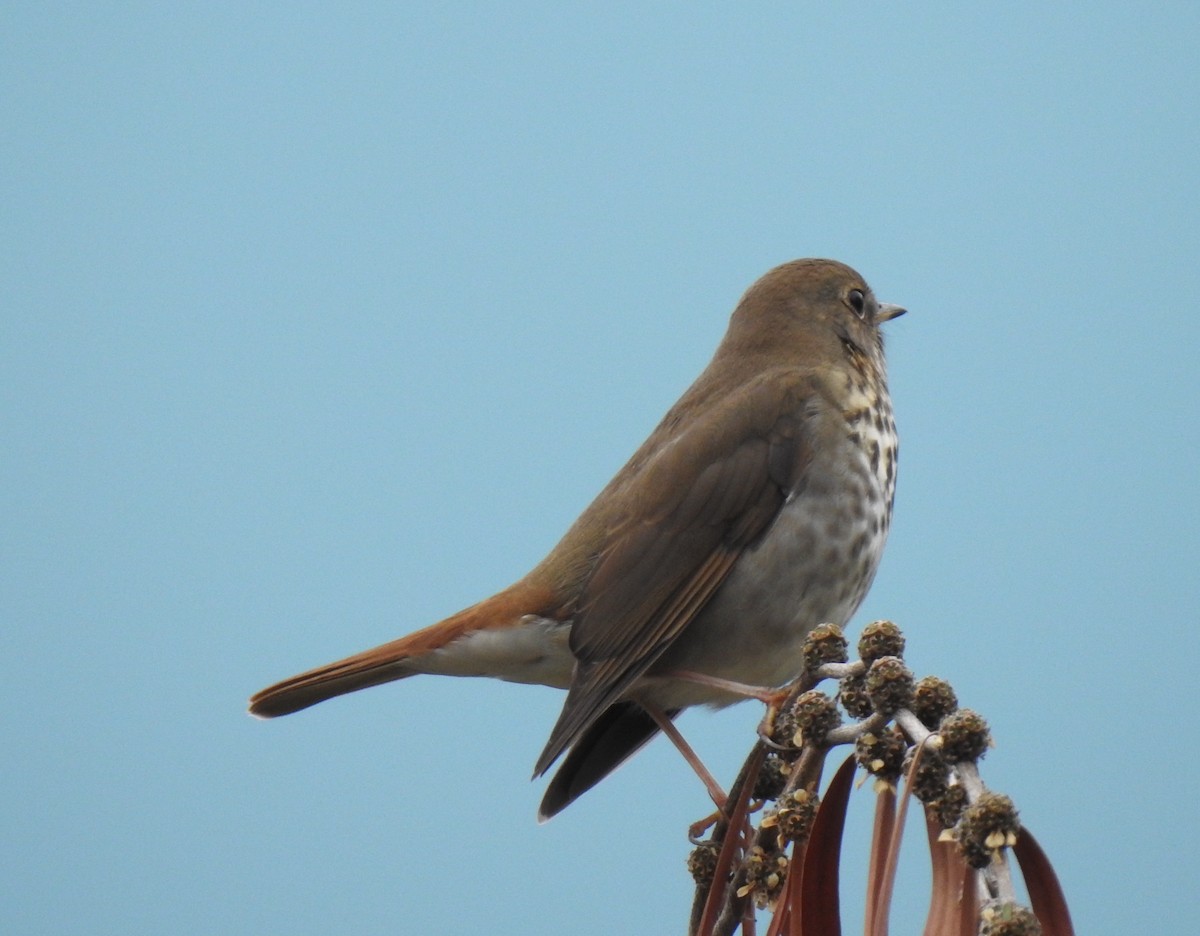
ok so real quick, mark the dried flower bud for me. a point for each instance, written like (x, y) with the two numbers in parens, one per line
(806, 719)
(932, 778)
(948, 808)
(825, 643)
(964, 735)
(933, 700)
(987, 826)
(1008, 919)
(882, 754)
(889, 685)
(772, 777)
(702, 862)
(765, 873)
(793, 815)
(852, 691)
(880, 639)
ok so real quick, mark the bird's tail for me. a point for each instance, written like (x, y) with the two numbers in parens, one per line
(370, 668)
(396, 659)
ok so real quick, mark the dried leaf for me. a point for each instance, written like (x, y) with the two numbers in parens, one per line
(819, 912)
(881, 843)
(953, 903)
(881, 895)
(731, 846)
(1045, 893)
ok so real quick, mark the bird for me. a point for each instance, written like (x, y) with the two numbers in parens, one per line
(757, 509)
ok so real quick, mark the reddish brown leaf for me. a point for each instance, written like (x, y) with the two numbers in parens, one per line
(968, 916)
(881, 843)
(953, 903)
(731, 846)
(883, 898)
(819, 912)
(1045, 893)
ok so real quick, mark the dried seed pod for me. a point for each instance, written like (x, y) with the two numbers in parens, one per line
(932, 778)
(772, 777)
(852, 692)
(889, 685)
(805, 720)
(825, 643)
(793, 815)
(882, 754)
(765, 872)
(1008, 919)
(702, 862)
(987, 826)
(965, 736)
(880, 639)
(933, 700)
(948, 808)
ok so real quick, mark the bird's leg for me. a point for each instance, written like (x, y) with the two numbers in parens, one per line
(772, 698)
(668, 728)
(764, 694)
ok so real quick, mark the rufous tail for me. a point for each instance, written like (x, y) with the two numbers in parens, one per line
(396, 659)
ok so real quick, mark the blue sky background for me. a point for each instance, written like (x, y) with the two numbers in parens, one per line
(319, 323)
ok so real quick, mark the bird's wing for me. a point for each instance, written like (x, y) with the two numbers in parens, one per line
(611, 738)
(701, 499)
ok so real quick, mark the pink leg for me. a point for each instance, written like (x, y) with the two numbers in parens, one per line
(668, 728)
(763, 694)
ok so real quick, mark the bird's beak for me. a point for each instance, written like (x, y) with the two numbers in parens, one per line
(887, 312)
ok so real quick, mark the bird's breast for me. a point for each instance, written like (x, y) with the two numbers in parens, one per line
(814, 564)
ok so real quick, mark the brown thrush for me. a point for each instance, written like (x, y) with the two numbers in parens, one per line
(757, 509)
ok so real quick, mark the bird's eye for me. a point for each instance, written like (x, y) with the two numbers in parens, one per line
(858, 302)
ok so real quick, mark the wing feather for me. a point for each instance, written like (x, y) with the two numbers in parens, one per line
(699, 501)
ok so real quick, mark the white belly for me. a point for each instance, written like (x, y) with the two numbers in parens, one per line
(814, 565)
(533, 651)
